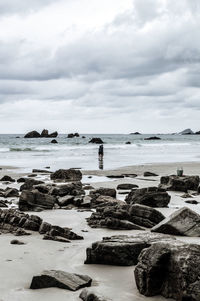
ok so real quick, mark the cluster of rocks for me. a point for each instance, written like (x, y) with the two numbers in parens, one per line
(44, 134)
(177, 183)
(13, 221)
(72, 135)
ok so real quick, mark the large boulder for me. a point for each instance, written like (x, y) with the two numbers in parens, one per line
(67, 189)
(121, 216)
(153, 138)
(34, 200)
(171, 270)
(53, 135)
(122, 250)
(60, 279)
(151, 196)
(67, 175)
(30, 183)
(33, 134)
(45, 133)
(177, 183)
(182, 222)
(96, 140)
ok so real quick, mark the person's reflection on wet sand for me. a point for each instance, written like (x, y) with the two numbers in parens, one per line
(101, 162)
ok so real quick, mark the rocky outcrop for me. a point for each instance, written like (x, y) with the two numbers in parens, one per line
(124, 217)
(34, 200)
(96, 140)
(182, 222)
(153, 138)
(7, 179)
(126, 186)
(177, 183)
(13, 221)
(33, 134)
(170, 270)
(60, 279)
(187, 132)
(67, 175)
(29, 184)
(151, 196)
(72, 135)
(122, 250)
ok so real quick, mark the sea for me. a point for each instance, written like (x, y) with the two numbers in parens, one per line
(77, 152)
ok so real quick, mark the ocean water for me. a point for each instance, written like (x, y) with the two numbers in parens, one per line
(77, 152)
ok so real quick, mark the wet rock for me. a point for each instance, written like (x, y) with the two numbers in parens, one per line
(21, 180)
(91, 296)
(170, 270)
(126, 186)
(67, 175)
(103, 191)
(128, 142)
(182, 222)
(60, 279)
(72, 135)
(54, 141)
(150, 174)
(29, 184)
(151, 196)
(31, 200)
(192, 202)
(11, 192)
(45, 133)
(16, 242)
(7, 179)
(72, 189)
(44, 171)
(115, 176)
(152, 138)
(32, 134)
(176, 183)
(122, 250)
(96, 140)
(53, 135)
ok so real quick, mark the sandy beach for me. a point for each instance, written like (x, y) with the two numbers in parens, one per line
(20, 262)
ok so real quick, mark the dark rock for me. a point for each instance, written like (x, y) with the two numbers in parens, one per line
(33, 134)
(128, 142)
(91, 296)
(192, 202)
(182, 222)
(103, 191)
(122, 250)
(53, 135)
(60, 279)
(72, 135)
(151, 196)
(67, 175)
(11, 192)
(187, 132)
(177, 183)
(197, 133)
(54, 141)
(21, 180)
(83, 137)
(171, 270)
(150, 174)
(29, 184)
(130, 175)
(7, 179)
(45, 133)
(44, 228)
(152, 138)
(115, 176)
(96, 140)
(30, 200)
(127, 186)
(88, 187)
(16, 242)
(56, 238)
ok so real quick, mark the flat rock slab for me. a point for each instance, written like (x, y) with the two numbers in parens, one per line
(122, 250)
(182, 222)
(60, 279)
(171, 270)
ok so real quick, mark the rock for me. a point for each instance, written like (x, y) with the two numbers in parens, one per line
(21, 180)
(151, 196)
(128, 142)
(103, 191)
(136, 133)
(7, 179)
(33, 134)
(122, 250)
(67, 175)
(187, 132)
(115, 176)
(29, 184)
(121, 216)
(42, 171)
(91, 296)
(96, 140)
(53, 135)
(16, 242)
(152, 138)
(197, 133)
(171, 270)
(83, 137)
(150, 174)
(11, 192)
(30, 200)
(56, 238)
(177, 183)
(192, 202)
(60, 279)
(54, 141)
(126, 186)
(45, 133)
(88, 187)
(72, 135)
(182, 222)
(3, 204)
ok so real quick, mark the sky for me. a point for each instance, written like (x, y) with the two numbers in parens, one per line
(90, 66)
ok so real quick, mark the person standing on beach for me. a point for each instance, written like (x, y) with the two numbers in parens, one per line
(101, 156)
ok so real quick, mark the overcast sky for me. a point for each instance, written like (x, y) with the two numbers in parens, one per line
(109, 66)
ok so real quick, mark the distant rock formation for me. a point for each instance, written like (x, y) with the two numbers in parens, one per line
(187, 132)
(136, 133)
(72, 135)
(96, 140)
(153, 138)
(44, 134)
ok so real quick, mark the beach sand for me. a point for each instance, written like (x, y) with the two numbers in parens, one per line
(19, 263)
